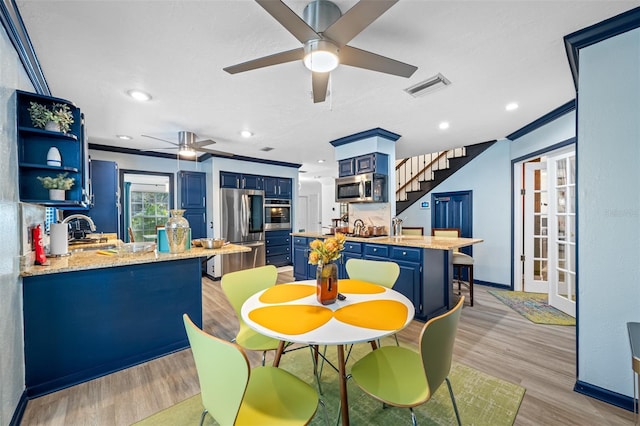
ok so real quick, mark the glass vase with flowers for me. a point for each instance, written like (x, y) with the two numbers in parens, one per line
(323, 254)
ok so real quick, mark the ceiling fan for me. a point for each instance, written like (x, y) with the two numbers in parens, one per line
(187, 145)
(325, 31)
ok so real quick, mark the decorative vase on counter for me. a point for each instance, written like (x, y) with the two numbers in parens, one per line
(177, 229)
(327, 283)
(57, 194)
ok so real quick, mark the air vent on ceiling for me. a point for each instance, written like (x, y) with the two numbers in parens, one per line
(266, 149)
(427, 86)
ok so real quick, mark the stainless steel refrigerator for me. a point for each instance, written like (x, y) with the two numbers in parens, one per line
(243, 224)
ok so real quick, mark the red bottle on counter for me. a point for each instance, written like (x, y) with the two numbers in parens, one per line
(36, 233)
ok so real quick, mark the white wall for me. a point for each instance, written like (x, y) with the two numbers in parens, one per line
(559, 130)
(12, 76)
(489, 177)
(608, 209)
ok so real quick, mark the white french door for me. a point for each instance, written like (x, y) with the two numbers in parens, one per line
(536, 218)
(562, 178)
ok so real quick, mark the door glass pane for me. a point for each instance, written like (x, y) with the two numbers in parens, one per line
(540, 270)
(571, 202)
(561, 200)
(571, 229)
(572, 169)
(561, 173)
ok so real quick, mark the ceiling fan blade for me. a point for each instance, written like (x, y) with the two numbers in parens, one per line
(158, 139)
(319, 83)
(289, 19)
(203, 143)
(213, 151)
(356, 19)
(363, 59)
(266, 61)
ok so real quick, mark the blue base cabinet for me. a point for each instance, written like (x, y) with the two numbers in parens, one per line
(301, 267)
(278, 247)
(86, 324)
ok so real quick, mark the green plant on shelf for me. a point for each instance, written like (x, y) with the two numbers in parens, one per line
(59, 182)
(58, 113)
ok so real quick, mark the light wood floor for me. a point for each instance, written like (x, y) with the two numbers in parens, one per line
(491, 338)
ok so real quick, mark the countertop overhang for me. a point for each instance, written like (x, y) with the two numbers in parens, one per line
(438, 243)
(91, 259)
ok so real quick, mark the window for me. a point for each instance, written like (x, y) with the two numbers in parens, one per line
(149, 209)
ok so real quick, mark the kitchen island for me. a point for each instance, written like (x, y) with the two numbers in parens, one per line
(91, 314)
(426, 268)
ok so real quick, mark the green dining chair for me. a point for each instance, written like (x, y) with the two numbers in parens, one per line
(234, 394)
(238, 287)
(379, 272)
(401, 377)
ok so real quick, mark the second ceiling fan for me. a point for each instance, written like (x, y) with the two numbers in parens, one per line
(324, 32)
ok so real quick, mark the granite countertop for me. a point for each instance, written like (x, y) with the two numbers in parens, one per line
(439, 243)
(92, 259)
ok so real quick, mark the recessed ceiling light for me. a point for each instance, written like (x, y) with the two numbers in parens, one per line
(139, 95)
(124, 137)
(320, 161)
(511, 106)
(246, 134)
(444, 125)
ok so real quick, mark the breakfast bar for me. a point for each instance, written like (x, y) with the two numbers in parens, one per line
(99, 311)
(426, 268)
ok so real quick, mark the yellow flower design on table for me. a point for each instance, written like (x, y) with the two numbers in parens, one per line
(375, 314)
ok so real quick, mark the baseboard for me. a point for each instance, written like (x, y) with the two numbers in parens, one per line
(212, 278)
(19, 411)
(604, 395)
(490, 284)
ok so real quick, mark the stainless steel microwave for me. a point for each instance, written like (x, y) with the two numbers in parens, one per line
(365, 188)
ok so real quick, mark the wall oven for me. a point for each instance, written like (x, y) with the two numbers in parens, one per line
(365, 188)
(277, 214)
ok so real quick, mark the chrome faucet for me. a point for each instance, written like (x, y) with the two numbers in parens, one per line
(92, 225)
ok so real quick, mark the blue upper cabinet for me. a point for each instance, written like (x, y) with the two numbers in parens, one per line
(192, 193)
(276, 187)
(375, 162)
(372, 163)
(240, 181)
(34, 144)
(346, 167)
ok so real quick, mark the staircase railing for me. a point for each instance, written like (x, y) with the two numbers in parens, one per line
(411, 171)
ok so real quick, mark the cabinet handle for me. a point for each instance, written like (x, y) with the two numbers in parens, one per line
(203, 202)
(404, 253)
(375, 249)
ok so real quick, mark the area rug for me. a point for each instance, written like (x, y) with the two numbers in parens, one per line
(534, 307)
(482, 399)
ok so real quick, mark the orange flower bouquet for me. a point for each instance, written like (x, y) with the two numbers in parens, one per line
(325, 252)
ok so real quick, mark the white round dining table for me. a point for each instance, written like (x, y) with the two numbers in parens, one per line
(292, 313)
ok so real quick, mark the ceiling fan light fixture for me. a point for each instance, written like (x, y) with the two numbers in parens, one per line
(186, 151)
(321, 56)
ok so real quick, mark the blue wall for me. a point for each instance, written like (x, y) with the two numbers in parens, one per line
(608, 209)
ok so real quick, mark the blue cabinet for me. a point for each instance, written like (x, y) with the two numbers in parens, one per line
(301, 267)
(352, 250)
(33, 146)
(276, 187)
(278, 247)
(192, 197)
(374, 162)
(240, 181)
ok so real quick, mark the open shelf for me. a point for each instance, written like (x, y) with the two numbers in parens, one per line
(47, 167)
(47, 133)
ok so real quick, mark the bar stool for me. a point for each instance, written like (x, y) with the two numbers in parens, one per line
(460, 260)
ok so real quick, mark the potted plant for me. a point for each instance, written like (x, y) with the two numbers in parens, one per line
(57, 185)
(58, 117)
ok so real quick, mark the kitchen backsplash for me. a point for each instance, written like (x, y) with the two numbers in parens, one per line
(376, 214)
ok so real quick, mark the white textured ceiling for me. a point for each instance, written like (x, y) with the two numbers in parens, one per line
(494, 52)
